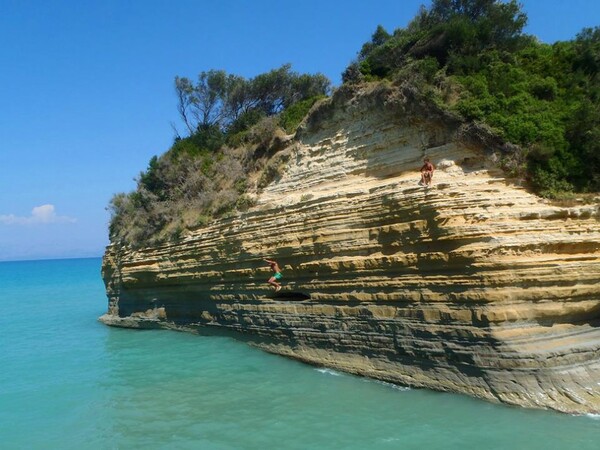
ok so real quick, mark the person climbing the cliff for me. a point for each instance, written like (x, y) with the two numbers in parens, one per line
(274, 280)
(426, 172)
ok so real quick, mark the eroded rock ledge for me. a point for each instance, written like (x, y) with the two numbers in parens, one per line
(473, 285)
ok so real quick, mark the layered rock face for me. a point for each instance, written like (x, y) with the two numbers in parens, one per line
(472, 285)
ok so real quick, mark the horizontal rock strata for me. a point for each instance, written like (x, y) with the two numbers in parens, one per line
(472, 285)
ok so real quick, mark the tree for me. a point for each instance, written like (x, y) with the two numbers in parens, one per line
(219, 99)
(447, 30)
(204, 104)
(185, 91)
(588, 50)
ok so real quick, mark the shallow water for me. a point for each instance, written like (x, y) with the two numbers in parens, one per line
(68, 382)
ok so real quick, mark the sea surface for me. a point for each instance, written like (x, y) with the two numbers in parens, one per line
(69, 382)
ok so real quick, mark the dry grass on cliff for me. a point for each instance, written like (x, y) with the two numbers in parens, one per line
(186, 190)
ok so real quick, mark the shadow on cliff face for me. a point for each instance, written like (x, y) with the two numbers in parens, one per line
(289, 296)
(582, 317)
(423, 234)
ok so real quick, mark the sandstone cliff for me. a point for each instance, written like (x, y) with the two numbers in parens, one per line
(474, 285)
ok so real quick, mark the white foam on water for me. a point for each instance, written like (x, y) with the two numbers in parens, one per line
(593, 416)
(389, 439)
(393, 386)
(387, 384)
(329, 372)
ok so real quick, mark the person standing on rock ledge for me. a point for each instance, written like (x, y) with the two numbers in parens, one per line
(426, 172)
(273, 281)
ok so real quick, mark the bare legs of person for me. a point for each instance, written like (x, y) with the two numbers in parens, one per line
(426, 178)
(273, 282)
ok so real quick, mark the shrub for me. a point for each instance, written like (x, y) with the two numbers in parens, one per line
(263, 132)
(550, 184)
(244, 202)
(243, 123)
(292, 116)
(273, 170)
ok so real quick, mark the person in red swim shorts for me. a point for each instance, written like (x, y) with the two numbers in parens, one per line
(426, 172)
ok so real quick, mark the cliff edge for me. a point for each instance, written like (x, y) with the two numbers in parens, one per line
(472, 285)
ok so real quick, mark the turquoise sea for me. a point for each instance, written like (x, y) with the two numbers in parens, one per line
(69, 382)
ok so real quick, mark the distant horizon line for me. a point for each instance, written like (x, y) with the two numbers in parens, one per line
(49, 259)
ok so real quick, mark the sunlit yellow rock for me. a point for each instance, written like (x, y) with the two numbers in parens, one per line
(472, 285)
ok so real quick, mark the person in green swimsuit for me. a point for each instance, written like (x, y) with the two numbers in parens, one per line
(273, 281)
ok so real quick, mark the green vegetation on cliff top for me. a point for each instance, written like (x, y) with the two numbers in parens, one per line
(472, 57)
(235, 126)
(468, 56)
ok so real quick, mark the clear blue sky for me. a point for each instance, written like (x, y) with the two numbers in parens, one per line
(86, 89)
